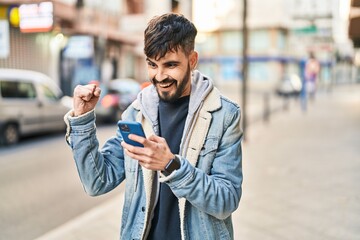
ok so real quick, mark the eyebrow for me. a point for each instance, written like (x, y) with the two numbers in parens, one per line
(165, 63)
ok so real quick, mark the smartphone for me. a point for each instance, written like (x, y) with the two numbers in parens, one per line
(127, 128)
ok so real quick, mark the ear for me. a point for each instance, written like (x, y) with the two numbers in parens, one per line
(193, 59)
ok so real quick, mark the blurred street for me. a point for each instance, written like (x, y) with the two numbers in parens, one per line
(300, 177)
(40, 188)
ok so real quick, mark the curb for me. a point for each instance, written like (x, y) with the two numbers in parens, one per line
(100, 221)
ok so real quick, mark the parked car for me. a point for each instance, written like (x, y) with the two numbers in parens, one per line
(30, 103)
(290, 85)
(115, 97)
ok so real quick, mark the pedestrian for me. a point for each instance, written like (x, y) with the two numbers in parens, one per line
(310, 76)
(312, 69)
(185, 182)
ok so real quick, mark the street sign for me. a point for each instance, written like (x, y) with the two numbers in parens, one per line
(312, 29)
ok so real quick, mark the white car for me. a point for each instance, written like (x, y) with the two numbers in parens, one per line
(30, 103)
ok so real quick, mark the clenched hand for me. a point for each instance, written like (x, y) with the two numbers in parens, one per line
(85, 98)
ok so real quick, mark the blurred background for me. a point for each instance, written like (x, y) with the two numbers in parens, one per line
(300, 120)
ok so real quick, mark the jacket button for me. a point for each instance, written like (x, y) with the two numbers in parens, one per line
(143, 209)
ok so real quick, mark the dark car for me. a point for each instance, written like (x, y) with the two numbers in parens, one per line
(115, 97)
(290, 85)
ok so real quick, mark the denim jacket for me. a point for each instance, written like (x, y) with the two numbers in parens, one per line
(208, 183)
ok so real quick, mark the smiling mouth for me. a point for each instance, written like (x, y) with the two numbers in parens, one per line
(166, 84)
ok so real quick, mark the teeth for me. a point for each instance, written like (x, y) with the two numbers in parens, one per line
(165, 85)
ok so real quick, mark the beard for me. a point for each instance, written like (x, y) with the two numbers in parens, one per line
(180, 87)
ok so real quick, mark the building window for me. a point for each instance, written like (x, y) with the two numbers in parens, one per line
(231, 42)
(259, 40)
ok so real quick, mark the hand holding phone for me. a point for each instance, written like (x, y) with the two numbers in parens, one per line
(127, 127)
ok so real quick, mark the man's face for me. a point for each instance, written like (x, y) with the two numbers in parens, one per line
(171, 75)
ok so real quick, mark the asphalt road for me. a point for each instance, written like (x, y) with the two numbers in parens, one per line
(40, 188)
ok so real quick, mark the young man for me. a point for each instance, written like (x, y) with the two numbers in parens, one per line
(186, 180)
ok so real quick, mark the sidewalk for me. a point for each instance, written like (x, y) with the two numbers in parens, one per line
(301, 175)
(301, 172)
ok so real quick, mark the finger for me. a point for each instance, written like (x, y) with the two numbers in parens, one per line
(89, 91)
(145, 154)
(143, 159)
(130, 154)
(156, 139)
(97, 92)
(84, 92)
(133, 149)
(159, 142)
(147, 166)
(138, 139)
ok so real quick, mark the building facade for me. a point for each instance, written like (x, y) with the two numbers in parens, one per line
(88, 39)
(102, 40)
(282, 33)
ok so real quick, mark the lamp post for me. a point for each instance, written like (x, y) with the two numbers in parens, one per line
(244, 70)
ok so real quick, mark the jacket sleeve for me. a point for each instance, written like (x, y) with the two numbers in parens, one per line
(102, 170)
(217, 193)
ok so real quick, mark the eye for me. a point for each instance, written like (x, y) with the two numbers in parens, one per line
(172, 65)
(151, 64)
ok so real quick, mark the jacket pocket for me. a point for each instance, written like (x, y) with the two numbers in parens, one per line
(207, 153)
(210, 145)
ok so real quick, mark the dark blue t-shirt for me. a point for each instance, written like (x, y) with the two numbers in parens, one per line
(166, 220)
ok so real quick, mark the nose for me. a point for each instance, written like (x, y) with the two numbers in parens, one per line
(160, 75)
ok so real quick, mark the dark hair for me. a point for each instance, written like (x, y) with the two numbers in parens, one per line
(169, 32)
